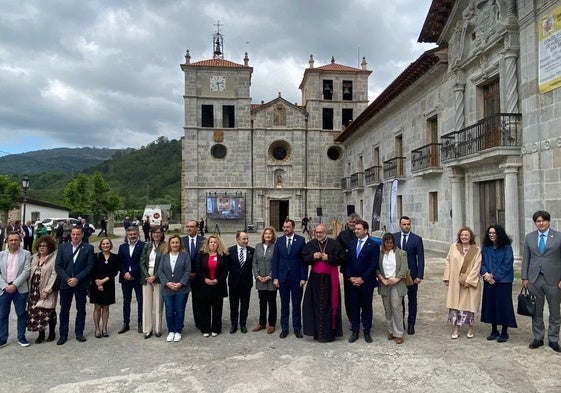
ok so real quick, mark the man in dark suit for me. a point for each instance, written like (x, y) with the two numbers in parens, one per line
(74, 262)
(192, 243)
(541, 274)
(129, 276)
(362, 263)
(413, 245)
(290, 275)
(344, 238)
(240, 281)
(27, 236)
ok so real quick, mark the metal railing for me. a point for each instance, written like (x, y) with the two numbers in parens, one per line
(346, 183)
(500, 129)
(372, 175)
(393, 167)
(425, 157)
(357, 180)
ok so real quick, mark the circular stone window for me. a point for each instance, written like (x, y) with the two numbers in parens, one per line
(334, 153)
(218, 151)
(279, 150)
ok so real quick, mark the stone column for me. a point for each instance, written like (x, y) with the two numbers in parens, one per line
(458, 207)
(459, 97)
(511, 82)
(512, 217)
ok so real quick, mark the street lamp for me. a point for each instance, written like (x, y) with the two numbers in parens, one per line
(25, 186)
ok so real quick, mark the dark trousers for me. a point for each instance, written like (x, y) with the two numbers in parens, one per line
(196, 303)
(66, 295)
(411, 305)
(291, 289)
(211, 314)
(127, 287)
(239, 304)
(267, 299)
(28, 243)
(6, 301)
(361, 308)
(346, 295)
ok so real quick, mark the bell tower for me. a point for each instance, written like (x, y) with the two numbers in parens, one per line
(217, 43)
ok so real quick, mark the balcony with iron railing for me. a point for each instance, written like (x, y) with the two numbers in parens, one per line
(346, 184)
(497, 131)
(372, 175)
(426, 159)
(394, 167)
(357, 180)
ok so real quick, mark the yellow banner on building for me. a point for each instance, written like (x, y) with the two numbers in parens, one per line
(549, 40)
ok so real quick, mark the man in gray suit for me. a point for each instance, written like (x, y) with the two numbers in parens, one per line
(14, 271)
(541, 274)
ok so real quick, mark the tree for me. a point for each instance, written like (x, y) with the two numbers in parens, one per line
(91, 195)
(9, 193)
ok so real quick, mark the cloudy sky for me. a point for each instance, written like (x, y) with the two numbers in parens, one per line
(106, 73)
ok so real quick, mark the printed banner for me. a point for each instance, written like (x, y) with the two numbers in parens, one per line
(377, 207)
(549, 44)
(393, 207)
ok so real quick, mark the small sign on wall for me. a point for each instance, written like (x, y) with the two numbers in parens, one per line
(218, 136)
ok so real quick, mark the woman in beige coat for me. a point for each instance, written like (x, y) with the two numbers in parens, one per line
(391, 273)
(41, 301)
(461, 276)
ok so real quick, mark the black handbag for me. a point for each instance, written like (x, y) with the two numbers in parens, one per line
(526, 303)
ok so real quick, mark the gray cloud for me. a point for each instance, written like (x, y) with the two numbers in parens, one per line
(106, 73)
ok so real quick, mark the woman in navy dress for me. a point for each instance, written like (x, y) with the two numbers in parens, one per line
(498, 273)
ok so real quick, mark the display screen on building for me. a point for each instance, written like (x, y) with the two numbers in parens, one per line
(225, 207)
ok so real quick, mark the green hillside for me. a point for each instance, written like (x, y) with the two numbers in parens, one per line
(150, 174)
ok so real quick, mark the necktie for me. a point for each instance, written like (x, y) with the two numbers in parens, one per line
(192, 249)
(404, 242)
(289, 245)
(241, 257)
(541, 244)
(358, 247)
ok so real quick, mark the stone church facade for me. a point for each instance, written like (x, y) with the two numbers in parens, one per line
(464, 129)
(253, 165)
(469, 131)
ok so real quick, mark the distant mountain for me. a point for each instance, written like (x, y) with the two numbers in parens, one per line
(66, 160)
(148, 175)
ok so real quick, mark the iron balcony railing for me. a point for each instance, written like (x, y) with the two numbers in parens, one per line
(501, 129)
(357, 180)
(425, 157)
(393, 167)
(372, 175)
(346, 183)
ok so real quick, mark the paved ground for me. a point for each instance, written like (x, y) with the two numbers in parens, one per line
(429, 361)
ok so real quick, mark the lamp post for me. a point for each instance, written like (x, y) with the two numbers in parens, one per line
(25, 186)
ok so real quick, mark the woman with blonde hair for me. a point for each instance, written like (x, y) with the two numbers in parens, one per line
(262, 271)
(174, 272)
(212, 264)
(461, 276)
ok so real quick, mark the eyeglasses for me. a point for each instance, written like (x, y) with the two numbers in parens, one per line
(491, 233)
(42, 245)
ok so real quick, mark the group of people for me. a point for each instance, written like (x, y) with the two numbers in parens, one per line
(163, 273)
(467, 264)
